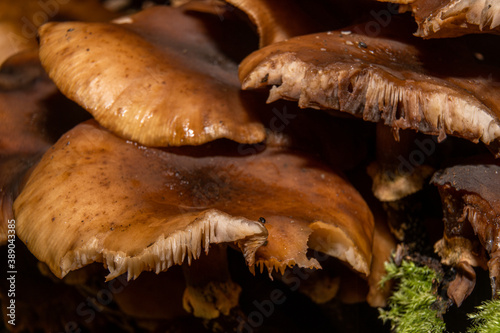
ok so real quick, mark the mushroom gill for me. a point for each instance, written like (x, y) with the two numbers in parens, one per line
(122, 216)
(391, 78)
(453, 18)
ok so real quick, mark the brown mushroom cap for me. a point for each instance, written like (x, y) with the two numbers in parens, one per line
(133, 220)
(286, 246)
(19, 20)
(24, 87)
(277, 20)
(158, 78)
(476, 189)
(401, 81)
(27, 128)
(450, 18)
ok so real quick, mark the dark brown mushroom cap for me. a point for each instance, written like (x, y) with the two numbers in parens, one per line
(23, 88)
(451, 18)
(475, 189)
(401, 81)
(157, 78)
(95, 197)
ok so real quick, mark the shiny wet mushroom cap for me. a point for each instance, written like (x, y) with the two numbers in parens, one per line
(137, 209)
(392, 78)
(126, 218)
(157, 78)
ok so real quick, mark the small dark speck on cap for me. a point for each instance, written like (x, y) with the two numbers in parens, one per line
(362, 44)
(265, 78)
(71, 29)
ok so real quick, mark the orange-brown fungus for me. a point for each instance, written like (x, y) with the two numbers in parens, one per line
(136, 208)
(157, 77)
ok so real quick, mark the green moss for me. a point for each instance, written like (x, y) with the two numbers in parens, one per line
(487, 318)
(410, 306)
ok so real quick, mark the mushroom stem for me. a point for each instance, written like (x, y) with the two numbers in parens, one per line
(494, 268)
(210, 290)
(463, 284)
(397, 173)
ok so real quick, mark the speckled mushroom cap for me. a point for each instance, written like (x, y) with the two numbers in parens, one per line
(157, 78)
(393, 78)
(135, 208)
(142, 220)
(452, 18)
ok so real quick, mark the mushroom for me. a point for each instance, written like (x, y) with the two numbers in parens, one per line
(19, 20)
(160, 80)
(190, 198)
(31, 122)
(452, 18)
(390, 78)
(393, 176)
(210, 290)
(471, 213)
(277, 20)
(141, 222)
(152, 297)
(43, 305)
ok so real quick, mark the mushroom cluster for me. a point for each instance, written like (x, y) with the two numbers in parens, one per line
(152, 182)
